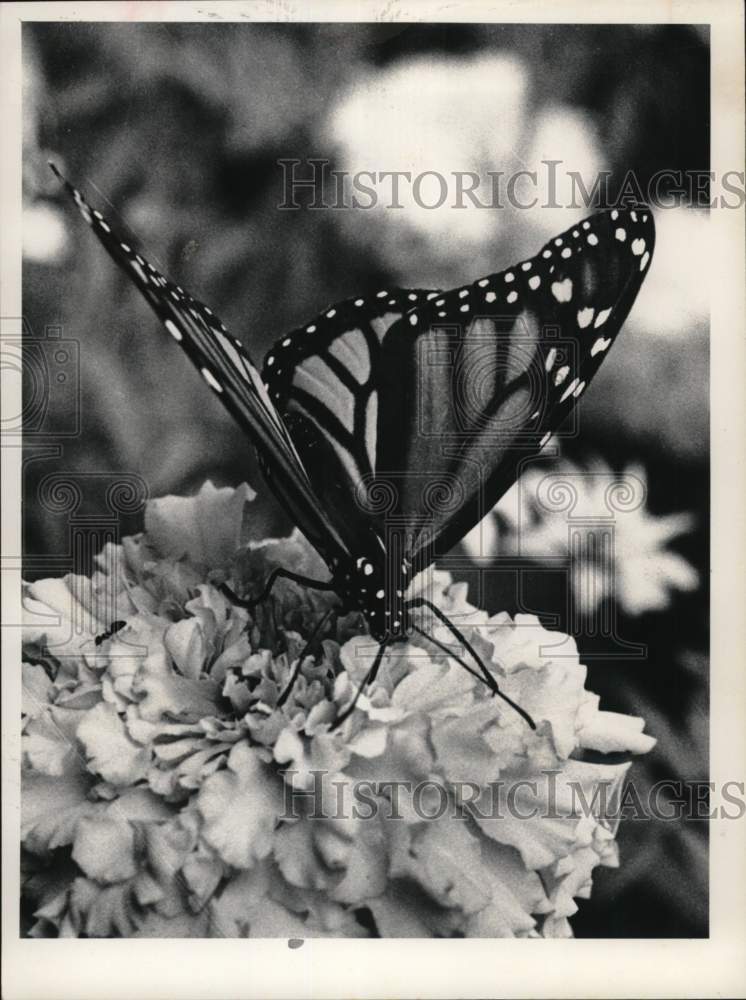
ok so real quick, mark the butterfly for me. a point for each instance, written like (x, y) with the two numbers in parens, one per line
(388, 425)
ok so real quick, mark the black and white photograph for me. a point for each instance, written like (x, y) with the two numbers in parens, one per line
(374, 458)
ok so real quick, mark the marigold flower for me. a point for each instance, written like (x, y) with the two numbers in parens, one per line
(168, 792)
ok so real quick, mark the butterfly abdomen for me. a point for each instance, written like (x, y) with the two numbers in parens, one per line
(378, 590)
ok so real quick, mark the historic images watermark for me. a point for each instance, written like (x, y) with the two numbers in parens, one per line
(312, 183)
(549, 795)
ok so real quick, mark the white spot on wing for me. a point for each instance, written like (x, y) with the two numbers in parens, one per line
(638, 247)
(211, 380)
(534, 282)
(140, 273)
(173, 329)
(585, 316)
(562, 374)
(602, 317)
(600, 345)
(551, 358)
(621, 234)
(569, 390)
(644, 260)
(562, 290)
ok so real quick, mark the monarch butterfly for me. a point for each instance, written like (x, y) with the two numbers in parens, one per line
(388, 425)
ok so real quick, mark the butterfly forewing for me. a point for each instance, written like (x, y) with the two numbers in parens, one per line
(228, 369)
(482, 376)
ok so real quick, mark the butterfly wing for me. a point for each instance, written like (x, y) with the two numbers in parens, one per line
(417, 406)
(477, 379)
(229, 371)
(323, 378)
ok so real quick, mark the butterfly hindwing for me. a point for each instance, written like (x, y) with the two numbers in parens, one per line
(323, 378)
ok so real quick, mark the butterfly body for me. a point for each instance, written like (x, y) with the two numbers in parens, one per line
(369, 591)
(389, 425)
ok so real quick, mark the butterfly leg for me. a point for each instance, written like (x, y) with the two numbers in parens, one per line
(368, 679)
(454, 656)
(421, 602)
(303, 654)
(274, 576)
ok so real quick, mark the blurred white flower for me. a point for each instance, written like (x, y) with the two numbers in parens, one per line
(44, 233)
(565, 135)
(463, 115)
(161, 763)
(674, 301)
(548, 513)
(44, 237)
(434, 114)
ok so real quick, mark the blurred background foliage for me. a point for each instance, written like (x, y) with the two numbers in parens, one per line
(175, 131)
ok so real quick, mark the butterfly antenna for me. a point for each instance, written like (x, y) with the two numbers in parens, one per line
(303, 654)
(422, 602)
